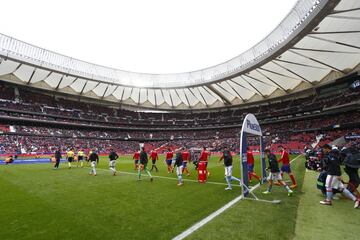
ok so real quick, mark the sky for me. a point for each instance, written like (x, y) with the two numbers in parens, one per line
(150, 36)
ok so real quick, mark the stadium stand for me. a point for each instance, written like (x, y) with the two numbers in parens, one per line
(38, 122)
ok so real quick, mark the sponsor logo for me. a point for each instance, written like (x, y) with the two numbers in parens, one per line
(252, 126)
(244, 159)
(355, 84)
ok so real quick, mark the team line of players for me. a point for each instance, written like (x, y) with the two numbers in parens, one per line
(177, 159)
(180, 158)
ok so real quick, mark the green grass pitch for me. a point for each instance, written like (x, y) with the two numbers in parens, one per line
(40, 203)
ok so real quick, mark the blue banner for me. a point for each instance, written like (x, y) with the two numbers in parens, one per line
(244, 166)
(263, 162)
(355, 84)
(250, 126)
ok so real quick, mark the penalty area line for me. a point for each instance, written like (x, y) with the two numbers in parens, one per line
(204, 221)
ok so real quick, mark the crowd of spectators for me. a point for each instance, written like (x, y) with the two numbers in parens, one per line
(24, 139)
(293, 123)
(41, 106)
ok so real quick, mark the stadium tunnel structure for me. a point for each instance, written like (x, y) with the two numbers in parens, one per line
(316, 43)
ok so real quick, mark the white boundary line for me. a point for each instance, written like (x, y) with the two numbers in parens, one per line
(163, 177)
(296, 158)
(204, 221)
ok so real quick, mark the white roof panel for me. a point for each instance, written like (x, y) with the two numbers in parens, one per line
(159, 97)
(118, 92)
(308, 54)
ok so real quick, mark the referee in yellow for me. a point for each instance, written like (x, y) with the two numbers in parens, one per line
(80, 156)
(70, 156)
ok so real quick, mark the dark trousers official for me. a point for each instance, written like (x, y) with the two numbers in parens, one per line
(57, 162)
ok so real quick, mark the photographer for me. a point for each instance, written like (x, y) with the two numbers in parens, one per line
(352, 165)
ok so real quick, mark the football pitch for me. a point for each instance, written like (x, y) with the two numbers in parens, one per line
(40, 203)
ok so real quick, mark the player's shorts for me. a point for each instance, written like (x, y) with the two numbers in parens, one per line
(80, 158)
(354, 179)
(250, 167)
(136, 162)
(228, 171)
(286, 168)
(333, 182)
(112, 163)
(169, 162)
(153, 162)
(275, 176)
(179, 170)
(70, 159)
(184, 164)
(93, 164)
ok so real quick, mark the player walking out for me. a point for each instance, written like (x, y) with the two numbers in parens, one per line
(286, 166)
(250, 165)
(227, 157)
(57, 156)
(204, 158)
(136, 158)
(81, 156)
(154, 157)
(70, 156)
(143, 164)
(274, 173)
(334, 179)
(112, 157)
(352, 166)
(9, 160)
(168, 159)
(179, 166)
(186, 159)
(94, 160)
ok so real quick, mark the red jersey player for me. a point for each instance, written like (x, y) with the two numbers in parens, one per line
(204, 157)
(186, 158)
(136, 158)
(250, 165)
(168, 158)
(286, 165)
(154, 157)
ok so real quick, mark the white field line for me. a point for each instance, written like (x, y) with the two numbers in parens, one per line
(296, 158)
(162, 177)
(204, 221)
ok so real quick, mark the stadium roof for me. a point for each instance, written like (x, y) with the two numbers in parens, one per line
(318, 40)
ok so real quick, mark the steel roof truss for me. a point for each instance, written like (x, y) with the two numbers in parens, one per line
(317, 61)
(268, 78)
